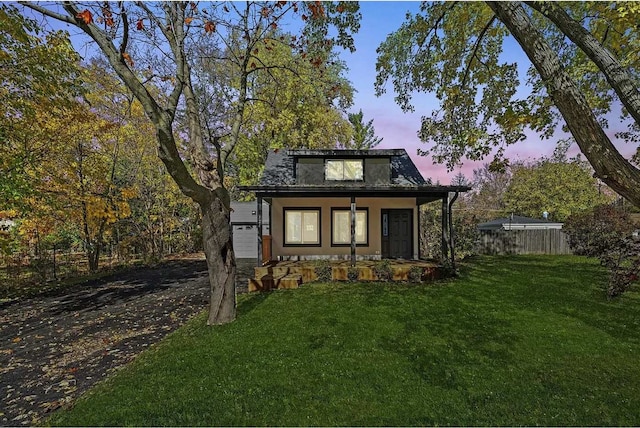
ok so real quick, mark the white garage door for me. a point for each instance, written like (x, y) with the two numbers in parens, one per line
(245, 241)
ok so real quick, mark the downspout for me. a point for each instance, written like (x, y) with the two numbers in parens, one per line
(259, 212)
(353, 231)
(451, 234)
(445, 228)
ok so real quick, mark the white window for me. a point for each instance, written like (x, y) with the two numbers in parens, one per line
(341, 227)
(343, 169)
(302, 227)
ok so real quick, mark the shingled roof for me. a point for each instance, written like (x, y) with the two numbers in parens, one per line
(279, 177)
(279, 168)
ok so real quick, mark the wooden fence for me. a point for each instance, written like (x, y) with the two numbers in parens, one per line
(541, 241)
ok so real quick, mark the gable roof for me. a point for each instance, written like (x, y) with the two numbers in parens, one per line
(278, 177)
(519, 222)
(279, 169)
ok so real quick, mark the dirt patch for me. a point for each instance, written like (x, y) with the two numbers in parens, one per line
(53, 348)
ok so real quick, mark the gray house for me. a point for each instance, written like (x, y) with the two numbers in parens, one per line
(244, 226)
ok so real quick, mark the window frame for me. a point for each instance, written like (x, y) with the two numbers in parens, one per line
(316, 210)
(364, 210)
(326, 167)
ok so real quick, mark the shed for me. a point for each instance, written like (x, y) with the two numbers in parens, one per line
(522, 235)
(517, 222)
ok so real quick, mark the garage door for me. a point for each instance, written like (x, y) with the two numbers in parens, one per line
(245, 241)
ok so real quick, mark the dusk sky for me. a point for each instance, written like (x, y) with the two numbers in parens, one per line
(399, 129)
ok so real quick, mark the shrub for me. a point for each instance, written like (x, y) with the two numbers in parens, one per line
(382, 269)
(415, 274)
(352, 273)
(323, 270)
(606, 233)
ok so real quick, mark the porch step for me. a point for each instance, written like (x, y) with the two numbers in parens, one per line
(271, 282)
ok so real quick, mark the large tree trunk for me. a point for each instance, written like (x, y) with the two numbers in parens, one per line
(610, 166)
(221, 261)
(622, 82)
(211, 195)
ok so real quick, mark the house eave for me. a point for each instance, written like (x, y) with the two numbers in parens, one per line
(422, 191)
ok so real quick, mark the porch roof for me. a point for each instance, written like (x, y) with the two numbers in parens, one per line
(424, 193)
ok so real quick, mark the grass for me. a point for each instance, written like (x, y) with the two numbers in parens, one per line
(515, 341)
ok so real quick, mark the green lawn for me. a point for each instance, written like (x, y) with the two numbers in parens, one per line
(528, 340)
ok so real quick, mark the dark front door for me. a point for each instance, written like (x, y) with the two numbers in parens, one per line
(397, 232)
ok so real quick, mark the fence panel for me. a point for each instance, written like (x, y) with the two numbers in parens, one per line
(540, 241)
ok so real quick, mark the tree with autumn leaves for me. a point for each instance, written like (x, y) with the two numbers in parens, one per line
(155, 46)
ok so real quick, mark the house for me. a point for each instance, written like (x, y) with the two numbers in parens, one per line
(346, 205)
(244, 227)
(522, 235)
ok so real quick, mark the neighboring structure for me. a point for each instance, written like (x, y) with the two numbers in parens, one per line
(522, 235)
(346, 205)
(244, 226)
(516, 222)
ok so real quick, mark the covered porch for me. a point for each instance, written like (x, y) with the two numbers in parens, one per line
(360, 198)
(291, 274)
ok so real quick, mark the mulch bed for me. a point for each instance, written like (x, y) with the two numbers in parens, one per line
(55, 347)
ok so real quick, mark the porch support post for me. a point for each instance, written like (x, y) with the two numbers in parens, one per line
(259, 212)
(445, 228)
(452, 240)
(353, 231)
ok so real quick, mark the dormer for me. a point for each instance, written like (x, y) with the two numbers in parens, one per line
(341, 167)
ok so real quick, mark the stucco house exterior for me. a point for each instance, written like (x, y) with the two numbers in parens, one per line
(346, 205)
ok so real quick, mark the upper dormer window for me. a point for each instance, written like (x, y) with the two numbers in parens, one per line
(344, 170)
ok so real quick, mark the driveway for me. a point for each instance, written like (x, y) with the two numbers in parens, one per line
(53, 348)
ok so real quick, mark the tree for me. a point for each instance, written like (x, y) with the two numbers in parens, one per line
(607, 233)
(364, 135)
(460, 180)
(488, 190)
(168, 34)
(454, 50)
(559, 188)
(36, 74)
(297, 105)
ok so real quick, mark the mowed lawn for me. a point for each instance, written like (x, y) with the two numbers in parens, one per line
(524, 340)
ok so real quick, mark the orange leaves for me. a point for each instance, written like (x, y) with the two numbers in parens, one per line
(108, 16)
(127, 59)
(265, 12)
(188, 20)
(140, 24)
(280, 4)
(317, 10)
(85, 16)
(209, 27)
